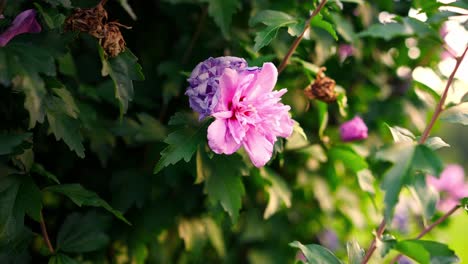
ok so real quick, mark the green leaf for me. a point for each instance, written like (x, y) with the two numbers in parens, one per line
(29, 199)
(193, 232)
(298, 139)
(80, 196)
(148, 129)
(344, 28)
(274, 20)
(64, 3)
(426, 161)
(401, 134)
(278, 192)
(385, 244)
(65, 127)
(318, 22)
(355, 252)
(407, 27)
(349, 157)
(366, 181)
(33, 88)
(316, 254)
(182, 144)
(427, 197)
(394, 179)
(128, 9)
(61, 258)
(464, 203)
(81, 233)
(8, 142)
(436, 143)
(223, 180)
(322, 117)
(9, 187)
(123, 69)
(39, 169)
(456, 114)
(222, 11)
(427, 252)
(271, 18)
(52, 17)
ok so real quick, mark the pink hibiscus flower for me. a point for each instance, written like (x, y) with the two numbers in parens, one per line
(249, 114)
(451, 185)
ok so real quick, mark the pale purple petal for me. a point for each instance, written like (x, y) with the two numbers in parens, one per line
(220, 139)
(25, 22)
(258, 148)
(354, 129)
(204, 82)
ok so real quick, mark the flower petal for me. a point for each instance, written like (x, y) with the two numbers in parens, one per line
(258, 147)
(265, 82)
(228, 83)
(25, 22)
(220, 139)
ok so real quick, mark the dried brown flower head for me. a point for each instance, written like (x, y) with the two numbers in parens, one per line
(94, 22)
(90, 20)
(113, 41)
(323, 88)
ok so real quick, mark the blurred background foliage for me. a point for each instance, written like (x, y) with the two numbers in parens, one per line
(63, 121)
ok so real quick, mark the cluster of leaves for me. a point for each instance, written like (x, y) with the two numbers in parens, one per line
(91, 152)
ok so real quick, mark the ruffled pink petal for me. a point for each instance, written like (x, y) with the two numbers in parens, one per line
(220, 139)
(236, 129)
(258, 147)
(452, 177)
(265, 82)
(25, 22)
(228, 83)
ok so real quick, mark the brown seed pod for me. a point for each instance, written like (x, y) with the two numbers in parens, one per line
(323, 88)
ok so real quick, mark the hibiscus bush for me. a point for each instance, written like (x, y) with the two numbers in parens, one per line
(227, 131)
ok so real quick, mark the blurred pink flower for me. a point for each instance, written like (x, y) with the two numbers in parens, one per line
(249, 114)
(25, 22)
(451, 185)
(354, 129)
(344, 51)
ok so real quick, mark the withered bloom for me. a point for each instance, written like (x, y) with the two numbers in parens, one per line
(94, 22)
(323, 88)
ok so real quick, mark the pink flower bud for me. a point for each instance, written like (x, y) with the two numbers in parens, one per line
(354, 129)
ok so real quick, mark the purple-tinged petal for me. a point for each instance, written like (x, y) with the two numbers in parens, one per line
(354, 129)
(220, 139)
(258, 147)
(25, 22)
(227, 88)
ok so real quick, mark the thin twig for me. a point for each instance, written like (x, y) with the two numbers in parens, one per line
(195, 35)
(298, 39)
(429, 228)
(373, 246)
(45, 235)
(440, 105)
